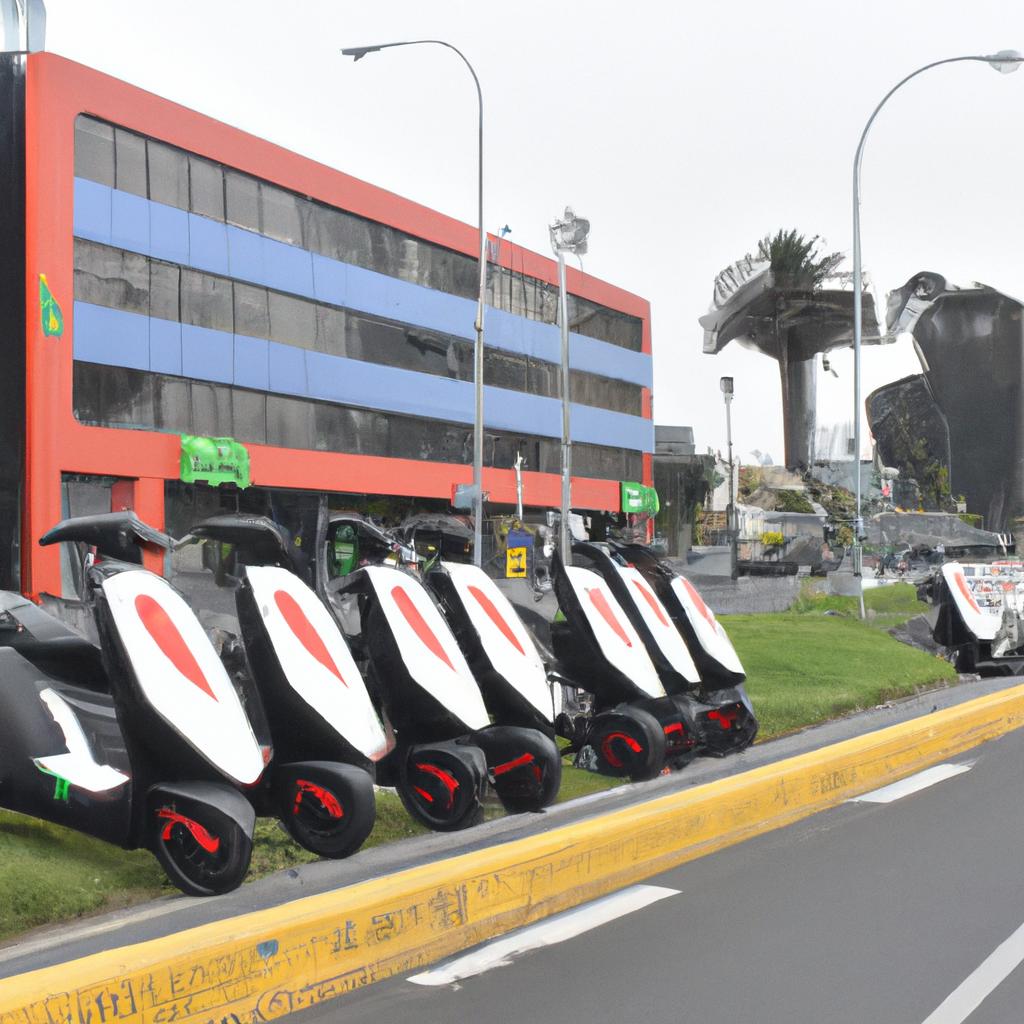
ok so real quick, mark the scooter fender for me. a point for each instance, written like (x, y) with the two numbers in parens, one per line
(523, 764)
(218, 800)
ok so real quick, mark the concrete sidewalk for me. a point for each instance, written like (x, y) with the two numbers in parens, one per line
(311, 933)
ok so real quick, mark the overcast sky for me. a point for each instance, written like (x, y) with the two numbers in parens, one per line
(683, 131)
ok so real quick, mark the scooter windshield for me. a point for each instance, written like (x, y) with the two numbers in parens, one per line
(315, 659)
(619, 641)
(505, 640)
(179, 673)
(658, 622)
(426, 644)
(709, 632)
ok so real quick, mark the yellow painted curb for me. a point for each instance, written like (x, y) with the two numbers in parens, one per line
(264, 964)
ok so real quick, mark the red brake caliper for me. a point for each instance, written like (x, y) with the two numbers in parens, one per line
(520, 762)
(448, 781)
(325, 796)
(609, 754)
(725, 718)
(208, 842)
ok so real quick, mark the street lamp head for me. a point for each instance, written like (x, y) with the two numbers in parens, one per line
(1005, 61)
(359, 52)
(570, 233)
(725, 383)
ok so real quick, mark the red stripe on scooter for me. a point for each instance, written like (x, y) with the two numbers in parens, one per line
(600, 602)
(517, 763)
(305, 632)
(609, 751)
(496, 617)
(699, 602)
(419, 625)
(208, 842)
(327, 799)
(965, 590)
(652, 601)
(162, 629)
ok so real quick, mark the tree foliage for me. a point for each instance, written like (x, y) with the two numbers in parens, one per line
(795, 260)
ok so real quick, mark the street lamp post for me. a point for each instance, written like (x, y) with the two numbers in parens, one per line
(567, 235)
(357, 53)
(1004, 61)
(726, 384)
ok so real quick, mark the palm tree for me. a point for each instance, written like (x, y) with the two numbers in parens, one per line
(795, 261)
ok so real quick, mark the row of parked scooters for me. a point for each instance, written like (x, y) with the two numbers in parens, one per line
(365, 657)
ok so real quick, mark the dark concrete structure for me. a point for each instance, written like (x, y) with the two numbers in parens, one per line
(971, 345)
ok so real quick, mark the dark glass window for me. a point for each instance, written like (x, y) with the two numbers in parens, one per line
(243, 200)
(211, 410)
(249, 415)
(111, 277)
(94, 150)
(281, 218)
(129, 162)
(218, 192)
(292, 321)
(168, 175)
(164, 290)
(331, 327)
(206, 301)
(110, 396)
(172, 404)
(206, 187)
(252, 315)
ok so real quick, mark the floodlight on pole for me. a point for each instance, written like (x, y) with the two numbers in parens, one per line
(1005, 62)
(567, 235)
(357, 53)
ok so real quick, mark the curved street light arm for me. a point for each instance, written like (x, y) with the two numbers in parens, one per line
(357, 53)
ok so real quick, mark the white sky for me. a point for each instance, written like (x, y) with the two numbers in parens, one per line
(683, 131)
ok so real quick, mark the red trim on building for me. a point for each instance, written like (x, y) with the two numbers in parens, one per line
(57, 91)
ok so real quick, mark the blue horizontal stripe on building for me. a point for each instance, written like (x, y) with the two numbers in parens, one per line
(115, 337)
(121, 219)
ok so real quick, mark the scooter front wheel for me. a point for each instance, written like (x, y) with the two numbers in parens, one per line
(442, 784)
(204, 853)
(627, 742)
(329, 809)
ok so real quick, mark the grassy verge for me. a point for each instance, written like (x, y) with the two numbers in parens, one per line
(805, 666)
(819, 660)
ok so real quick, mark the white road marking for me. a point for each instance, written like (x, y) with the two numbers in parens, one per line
(913, 783)
(972, 991)
(552, 930)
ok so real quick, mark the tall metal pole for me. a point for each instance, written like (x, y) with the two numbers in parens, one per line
(564, 536)
(731, 514)
(1005, 60)
(358, 52)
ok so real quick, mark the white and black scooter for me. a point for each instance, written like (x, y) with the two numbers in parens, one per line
(723, 717)
(140, 740)
(442, 748)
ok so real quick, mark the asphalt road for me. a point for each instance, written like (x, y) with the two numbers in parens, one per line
(866, 912)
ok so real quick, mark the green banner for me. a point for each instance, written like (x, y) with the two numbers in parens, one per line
(214, 461)
(639, 498)
(50, 315)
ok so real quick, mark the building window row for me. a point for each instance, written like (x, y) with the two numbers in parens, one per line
(130, 162)
(115, 278)
(111, 396)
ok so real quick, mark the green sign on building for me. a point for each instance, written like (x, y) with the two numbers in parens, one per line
(639, 498)
(214, 461)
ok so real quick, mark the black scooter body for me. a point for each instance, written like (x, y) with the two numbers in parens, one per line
(722, 711)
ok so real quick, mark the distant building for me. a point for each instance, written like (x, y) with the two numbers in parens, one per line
(166, 275)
